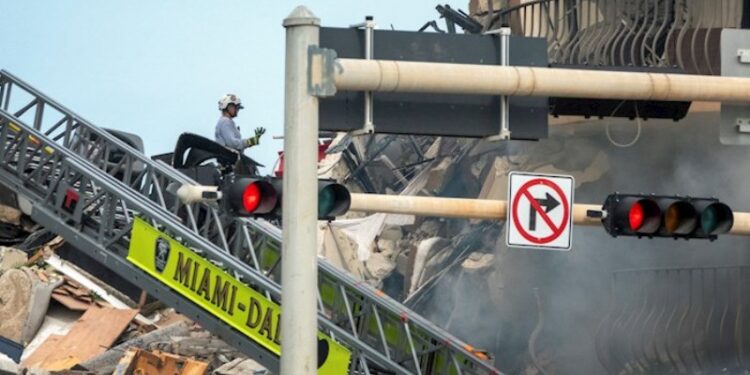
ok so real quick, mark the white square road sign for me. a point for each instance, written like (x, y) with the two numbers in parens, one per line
(540, 211)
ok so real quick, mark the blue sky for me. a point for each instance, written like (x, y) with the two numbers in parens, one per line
(157, 68)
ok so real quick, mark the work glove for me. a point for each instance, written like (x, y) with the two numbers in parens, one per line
(253, 141)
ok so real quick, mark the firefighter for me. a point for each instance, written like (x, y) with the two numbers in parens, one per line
(227, 133)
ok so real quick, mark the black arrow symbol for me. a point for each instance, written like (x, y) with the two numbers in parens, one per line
(548, 202)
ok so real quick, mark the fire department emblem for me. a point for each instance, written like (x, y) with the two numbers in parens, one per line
(161, 254)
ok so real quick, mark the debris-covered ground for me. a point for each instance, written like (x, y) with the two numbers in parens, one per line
(57, 318)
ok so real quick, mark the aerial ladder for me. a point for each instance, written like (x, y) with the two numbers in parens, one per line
(104, 197)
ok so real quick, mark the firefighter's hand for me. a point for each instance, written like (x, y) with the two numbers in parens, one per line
(253, 141)
(259, 131)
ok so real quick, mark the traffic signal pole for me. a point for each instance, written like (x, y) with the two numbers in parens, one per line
(484, 209)
(443, 78)
(299, 275)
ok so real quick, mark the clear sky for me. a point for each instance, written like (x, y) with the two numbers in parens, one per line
(157, 68)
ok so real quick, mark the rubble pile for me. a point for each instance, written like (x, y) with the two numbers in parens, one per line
(57, 318)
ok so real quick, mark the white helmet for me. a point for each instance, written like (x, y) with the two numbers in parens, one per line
(228, 99)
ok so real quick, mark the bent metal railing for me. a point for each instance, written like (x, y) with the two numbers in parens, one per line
(677, 320)
(675, 33)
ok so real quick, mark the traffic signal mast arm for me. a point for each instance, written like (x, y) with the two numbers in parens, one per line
(442, 78)
(485, 209)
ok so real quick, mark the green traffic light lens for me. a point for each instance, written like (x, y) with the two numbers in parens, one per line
(717, 218)
(326, 201)
(709, 220)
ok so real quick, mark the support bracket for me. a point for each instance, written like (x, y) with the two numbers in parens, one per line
(368, 126)
(504, 134)
(320, 71)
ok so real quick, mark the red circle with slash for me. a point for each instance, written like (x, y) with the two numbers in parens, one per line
(556, 230)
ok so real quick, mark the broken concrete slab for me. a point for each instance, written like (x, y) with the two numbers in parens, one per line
(391, 233)
(426, 249)
(11, 258)
(15, 297)
(477, 262)
(241, 366)
(341, 251)
(386, 247)
(10, 215)
(380, 265)
(436, 179)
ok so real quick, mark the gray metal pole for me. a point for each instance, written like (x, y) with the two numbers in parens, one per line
(299, 280)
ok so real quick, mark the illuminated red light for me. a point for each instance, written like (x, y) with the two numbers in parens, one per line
(251, 197)
(636, 216)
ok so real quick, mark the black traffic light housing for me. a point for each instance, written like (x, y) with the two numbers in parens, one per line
(252, 196)
(666, 216)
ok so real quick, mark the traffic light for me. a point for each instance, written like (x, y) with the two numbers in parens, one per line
(262, 197)
(666, 216)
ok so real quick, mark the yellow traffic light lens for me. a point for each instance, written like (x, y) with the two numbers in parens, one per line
(680, 218)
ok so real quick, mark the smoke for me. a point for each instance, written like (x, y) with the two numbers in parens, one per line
(498, 311)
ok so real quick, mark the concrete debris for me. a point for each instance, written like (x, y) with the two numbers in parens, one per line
(341, 250)
(430, 228)
(11, 258)
(386, 247)
(392, 233)
(437, 178)
(10, 215)
(15, 298)
(241, 366)
(477, 262)
(424, 252)
(380, 265)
